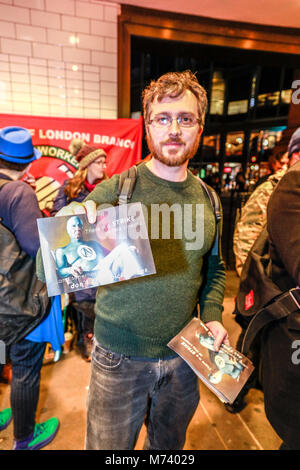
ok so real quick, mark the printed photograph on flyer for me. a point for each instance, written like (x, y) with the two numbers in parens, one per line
(78, 255)
(224, 372)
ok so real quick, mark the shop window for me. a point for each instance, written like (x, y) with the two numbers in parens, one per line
(237, 107)
(234, 144)
(262, 142)
(286, 96)
(239, 81)
(229, 175)
(212, 141)
(268, 96)
(210, 147)
(268, 99)
(217, 97)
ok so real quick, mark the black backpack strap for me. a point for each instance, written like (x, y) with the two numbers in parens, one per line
(3, 182)
(215, 202)
(286, 305)
(126, 185)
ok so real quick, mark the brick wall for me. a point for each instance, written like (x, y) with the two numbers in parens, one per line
(58, 58)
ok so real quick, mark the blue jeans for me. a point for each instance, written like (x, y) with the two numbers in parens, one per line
(124, 392)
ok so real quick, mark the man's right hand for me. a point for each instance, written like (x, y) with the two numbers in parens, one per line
(74, 208)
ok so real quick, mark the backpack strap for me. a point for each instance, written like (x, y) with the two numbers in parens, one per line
(3, 182)
(126, 185)
(285, 305)
(215, 202)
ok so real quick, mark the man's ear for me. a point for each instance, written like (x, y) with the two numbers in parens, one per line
(200, 130)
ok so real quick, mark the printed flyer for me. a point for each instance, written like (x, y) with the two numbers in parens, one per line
(224, 372)
(78, 255)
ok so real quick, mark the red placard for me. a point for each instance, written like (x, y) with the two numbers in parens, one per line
(120, 138)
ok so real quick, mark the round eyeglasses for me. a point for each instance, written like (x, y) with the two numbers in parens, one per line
(164, 121)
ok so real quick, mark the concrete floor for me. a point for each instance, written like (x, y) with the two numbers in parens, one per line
(64, 387)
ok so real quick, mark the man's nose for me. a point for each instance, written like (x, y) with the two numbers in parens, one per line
(174, 127)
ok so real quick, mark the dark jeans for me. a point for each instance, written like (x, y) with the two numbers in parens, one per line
(124, 391)
(26, 359)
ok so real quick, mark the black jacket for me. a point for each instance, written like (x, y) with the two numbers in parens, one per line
(281, 361)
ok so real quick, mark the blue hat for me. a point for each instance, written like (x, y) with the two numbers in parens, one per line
(294, 144)
(16, 145)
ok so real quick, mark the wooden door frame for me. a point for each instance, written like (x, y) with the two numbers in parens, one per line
(134, 21)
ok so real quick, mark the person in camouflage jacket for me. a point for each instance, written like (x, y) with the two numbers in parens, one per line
(253, 219)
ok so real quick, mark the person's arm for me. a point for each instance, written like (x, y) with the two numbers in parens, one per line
(104, 193)
(60, 201)
(283, 222)
(24, 212)
(211, 294)
(63, 268)
(211, 299)
(251, 223)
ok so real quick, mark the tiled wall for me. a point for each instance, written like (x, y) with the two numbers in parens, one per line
(58, 58)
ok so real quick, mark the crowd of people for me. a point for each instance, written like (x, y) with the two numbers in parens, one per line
(122, 330)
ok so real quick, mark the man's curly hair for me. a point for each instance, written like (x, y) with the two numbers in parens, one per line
(173, 84)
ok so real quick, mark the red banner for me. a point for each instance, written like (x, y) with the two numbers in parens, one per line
(120, 138)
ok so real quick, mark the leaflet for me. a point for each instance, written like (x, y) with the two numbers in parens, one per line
(78, 255)
(224, 372)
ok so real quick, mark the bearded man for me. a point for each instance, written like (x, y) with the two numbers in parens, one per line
(135, 377)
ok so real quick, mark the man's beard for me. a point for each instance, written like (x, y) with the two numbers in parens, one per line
(172, 159)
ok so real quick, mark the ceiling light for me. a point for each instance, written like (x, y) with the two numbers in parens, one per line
(74, 40)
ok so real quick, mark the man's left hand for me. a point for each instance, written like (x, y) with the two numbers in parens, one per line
(219, 332)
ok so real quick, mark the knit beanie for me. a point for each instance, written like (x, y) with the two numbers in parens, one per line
(294, 144)
(87, 154)
(75, 146)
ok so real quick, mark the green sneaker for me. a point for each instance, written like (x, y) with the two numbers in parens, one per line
(43, 434)
(5, 418)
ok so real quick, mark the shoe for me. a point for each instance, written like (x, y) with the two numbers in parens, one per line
(284, 446)
(5, 418)
(238, 405)
(43, 434)
(85, 347)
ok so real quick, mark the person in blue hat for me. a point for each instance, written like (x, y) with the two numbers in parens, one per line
(18, 212)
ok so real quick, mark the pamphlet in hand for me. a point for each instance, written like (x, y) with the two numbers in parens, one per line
(78, 255)
(224, 372)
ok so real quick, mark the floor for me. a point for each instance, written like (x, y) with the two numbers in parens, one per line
(64, 387)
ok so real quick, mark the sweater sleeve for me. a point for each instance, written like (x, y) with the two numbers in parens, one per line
(211, 294)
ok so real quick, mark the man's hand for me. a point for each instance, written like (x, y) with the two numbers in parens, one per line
(75, 271)
(89, 208)
(219, 332)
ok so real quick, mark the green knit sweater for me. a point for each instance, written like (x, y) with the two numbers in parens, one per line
(139, 317)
